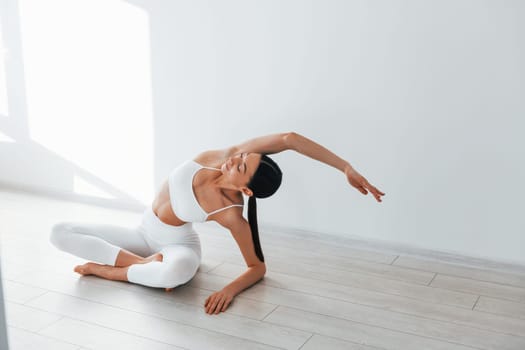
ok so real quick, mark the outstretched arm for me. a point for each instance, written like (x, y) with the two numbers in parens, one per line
(276, 143)
(314, 150)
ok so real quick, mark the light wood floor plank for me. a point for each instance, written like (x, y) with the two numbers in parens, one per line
(321, 342)
(100, 338)
(502, 307)
(357, 332)
(28, 318)
(19, 293)
(486, 275)
(467, 285)
(20, 339)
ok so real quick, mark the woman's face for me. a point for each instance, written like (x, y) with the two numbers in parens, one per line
(240, 168)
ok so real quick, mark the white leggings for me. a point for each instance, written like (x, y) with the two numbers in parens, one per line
(179, 245)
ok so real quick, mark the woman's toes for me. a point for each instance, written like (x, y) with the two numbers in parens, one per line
(82, 269)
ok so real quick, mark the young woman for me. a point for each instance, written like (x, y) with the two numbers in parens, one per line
(164, 250)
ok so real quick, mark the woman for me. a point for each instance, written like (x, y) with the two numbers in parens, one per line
(164, 250)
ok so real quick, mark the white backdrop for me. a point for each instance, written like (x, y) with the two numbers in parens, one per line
(424, 98)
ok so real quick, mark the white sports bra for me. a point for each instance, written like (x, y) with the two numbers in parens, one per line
(182, 198)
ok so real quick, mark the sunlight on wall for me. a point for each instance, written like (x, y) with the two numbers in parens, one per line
(87, 68)
(3, 86)
(84, 187)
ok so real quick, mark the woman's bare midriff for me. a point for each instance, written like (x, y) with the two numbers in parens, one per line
(162, 207)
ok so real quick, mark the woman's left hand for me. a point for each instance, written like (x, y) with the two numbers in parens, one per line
(218, 301)
(358, 181)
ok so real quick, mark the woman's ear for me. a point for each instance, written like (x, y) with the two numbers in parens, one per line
(247, 191)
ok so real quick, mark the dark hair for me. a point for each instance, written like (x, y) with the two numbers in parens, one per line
(264, 183)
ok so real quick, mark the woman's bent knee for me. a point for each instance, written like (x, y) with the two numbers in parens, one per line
(162, 275)
(179, 272)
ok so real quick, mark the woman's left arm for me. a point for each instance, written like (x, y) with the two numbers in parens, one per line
(220, 300)
(240, 229)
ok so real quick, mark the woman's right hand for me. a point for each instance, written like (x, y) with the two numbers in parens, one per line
(358, 181)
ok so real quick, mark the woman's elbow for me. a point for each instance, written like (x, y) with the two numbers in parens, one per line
(263, 269)
(260, 268)
(290, 139)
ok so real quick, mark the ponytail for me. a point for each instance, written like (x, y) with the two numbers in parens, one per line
(264, 183)
(252, 219)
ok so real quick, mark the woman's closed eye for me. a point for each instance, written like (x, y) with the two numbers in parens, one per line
(242, 163)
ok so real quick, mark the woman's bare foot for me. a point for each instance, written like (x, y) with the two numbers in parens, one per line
(84, 269)
(108, 272)
(87, 268)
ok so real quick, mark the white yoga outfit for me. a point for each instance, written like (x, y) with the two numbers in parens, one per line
(179, 245)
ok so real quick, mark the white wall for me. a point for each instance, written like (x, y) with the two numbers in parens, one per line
(424, 98)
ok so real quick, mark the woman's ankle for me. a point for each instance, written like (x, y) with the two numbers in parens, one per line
(125, 258)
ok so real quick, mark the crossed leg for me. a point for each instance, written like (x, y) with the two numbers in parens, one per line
(119, 272)
(181, 264)
(122, 254)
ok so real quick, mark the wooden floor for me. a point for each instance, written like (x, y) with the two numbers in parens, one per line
(320, 292)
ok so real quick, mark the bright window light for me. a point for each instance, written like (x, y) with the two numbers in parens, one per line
(88, 80)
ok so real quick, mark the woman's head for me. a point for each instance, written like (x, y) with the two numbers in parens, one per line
(266, 179)
(254, 174)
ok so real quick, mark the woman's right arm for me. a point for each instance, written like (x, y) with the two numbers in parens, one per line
(276, 143)
(268, 144)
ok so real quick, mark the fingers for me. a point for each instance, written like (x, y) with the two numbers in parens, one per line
(226, 304)
(217, 303)
(211, 303)
(375, 192)
(208, 302)
(213, 306)
(220, 305)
